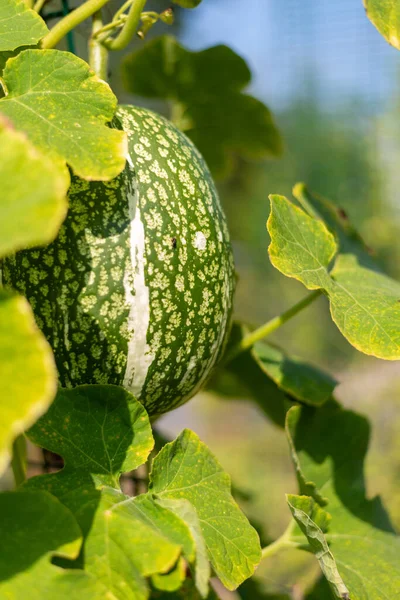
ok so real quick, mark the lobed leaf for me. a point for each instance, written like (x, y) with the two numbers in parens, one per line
(34, 528)
(364, 304)
(186, 469)
(33, 201)
(385, 15)
(19, 25)
(206, 89)
(328, 448)
(101, 431)
(63, 107)
(27, 371)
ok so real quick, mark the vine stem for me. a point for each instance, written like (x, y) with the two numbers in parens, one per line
(283, 541)
(98, 54)
(265, 330)
(70, 21)
(128, 30)
(18, 461)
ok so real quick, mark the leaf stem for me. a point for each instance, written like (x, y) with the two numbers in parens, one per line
(18, 461)
(265, 330)
(38, 5)
(283, 541)
(98, 54)
(70, 21)
(128, 30)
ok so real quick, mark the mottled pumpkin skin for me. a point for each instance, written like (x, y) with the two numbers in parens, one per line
(137, 288)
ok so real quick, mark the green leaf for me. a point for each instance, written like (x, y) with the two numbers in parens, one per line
(19, 25)
(101, 431)
(364, 304)
(348, 238)
(328, 448)
(385, 15)
(209, 104)
(300, 380)
(188, 591)
(63, 107)
(35, 527)
(27, 371)
(32, 206)
(172, 581)
(188, 514)
(186, 469)
(302, 509)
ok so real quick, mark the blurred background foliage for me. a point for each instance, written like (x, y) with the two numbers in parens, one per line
(332, 83)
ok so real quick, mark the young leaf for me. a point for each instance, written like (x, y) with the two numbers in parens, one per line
(63, 107)
(32, 206)
(35, 527)
(385, 15)
(19, 25)
(209, 104)
(364, 304)
(302, 508)
(27, 371)
(186, 469)
(328, 448)
(101, 431)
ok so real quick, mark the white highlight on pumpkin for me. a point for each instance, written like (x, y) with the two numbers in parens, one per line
(139, 356)
(200, 241)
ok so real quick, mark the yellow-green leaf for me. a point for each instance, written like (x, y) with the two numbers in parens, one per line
(63, 107)
(385, 15)
(33, 199)
(27, 371)
(19, 25)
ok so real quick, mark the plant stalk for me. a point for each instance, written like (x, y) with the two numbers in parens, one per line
(18, 461)
(283, 541)
(70, 21)
(130, 27)
(265, 330)
(98, 54)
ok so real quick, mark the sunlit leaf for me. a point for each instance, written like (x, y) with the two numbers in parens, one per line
(34, 528)
(63, 107)
(385, 15)
(33, 200)
(27, 371)
(206, 90)
(328, 448)
(186, 469)
(364, 304)
(19, 25)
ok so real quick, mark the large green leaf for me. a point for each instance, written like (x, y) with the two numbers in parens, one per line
(27, 371)
(385, 15)
(328, 448)
(63, 107)
(99, 430)
(34, 527)
(186, 469)
(19, 25)
(209, 104)
(364, 304)
(102, 431)
(33, 200)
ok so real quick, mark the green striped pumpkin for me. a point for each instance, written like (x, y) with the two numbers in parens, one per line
(137, 288)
